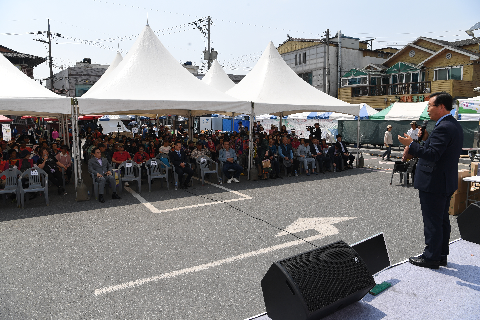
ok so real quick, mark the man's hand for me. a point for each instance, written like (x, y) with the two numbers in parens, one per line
(108, 173)
(99, 175)
(230, 160)
(346, 154)
(406, 156)
(425, 134)
(406, 140)
(182, 164)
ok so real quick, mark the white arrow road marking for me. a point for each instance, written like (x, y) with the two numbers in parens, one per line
(321, 225)
(325, 231)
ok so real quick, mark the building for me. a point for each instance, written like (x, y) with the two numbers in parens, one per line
(75, 81)
(308, 58)
(24, 62)
(421, 67)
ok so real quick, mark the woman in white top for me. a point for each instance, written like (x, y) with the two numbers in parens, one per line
(388, 141)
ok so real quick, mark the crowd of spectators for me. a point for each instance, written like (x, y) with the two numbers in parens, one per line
(274, 150)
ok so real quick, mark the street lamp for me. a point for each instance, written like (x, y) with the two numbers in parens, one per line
(470, 31)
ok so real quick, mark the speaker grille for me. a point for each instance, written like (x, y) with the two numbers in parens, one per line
(328, 274)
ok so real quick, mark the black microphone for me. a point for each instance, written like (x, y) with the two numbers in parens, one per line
(424, 127)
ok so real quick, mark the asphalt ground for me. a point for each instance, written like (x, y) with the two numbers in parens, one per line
(195, 254)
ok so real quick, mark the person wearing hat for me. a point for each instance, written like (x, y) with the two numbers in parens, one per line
(413, 131)
(388, 141)
(316, 132)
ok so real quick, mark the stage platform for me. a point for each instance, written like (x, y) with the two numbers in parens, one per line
(448, 293)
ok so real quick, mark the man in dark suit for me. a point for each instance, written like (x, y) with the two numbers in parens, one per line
(102, 171)
(316, 132)
(319, 156)
(436, 178)
(345, 154)
(180, 161)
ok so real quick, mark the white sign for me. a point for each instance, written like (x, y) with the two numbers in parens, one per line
(7, 132)
(323, 226)
(34, 172)
(128, 164)
(153, 163)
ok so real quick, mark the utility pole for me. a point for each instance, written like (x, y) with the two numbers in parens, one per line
(49, 35)
(327, 65)
(209, 51)
(339, 61)
(49, 42)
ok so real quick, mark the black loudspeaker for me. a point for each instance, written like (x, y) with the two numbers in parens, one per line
(373, 252)
(469, 223)
(316, 283)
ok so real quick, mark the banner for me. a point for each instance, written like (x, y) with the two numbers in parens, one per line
(7, 132)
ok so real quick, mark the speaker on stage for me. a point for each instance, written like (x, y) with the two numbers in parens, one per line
(316, 283)
(469, 223)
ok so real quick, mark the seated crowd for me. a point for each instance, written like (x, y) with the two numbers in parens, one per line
(273, 151)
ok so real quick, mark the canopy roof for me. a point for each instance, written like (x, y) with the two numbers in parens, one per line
(21, 95)
(217, 78)
(381, 114)
(97, 87)
(150, 80)
(5, 119)
(274, 88)
(354, 73)
(401, 67)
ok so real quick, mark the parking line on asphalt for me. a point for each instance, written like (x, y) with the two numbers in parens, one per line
(155, 210)
(173, 274)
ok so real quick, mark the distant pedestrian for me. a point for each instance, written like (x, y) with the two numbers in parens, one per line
(388, 141)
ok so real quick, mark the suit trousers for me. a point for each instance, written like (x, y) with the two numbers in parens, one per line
(306, 161)
(436, 224)
(101, 183)
(181, 171)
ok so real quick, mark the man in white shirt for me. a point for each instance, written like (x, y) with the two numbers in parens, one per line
(413, 131)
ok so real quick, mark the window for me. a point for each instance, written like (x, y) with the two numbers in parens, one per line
(451, 73)
(296, 60)
(304, 57)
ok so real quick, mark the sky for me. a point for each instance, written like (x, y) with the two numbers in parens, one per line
(240, 32)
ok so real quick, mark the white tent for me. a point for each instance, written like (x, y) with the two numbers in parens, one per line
(406, 111)
(150, 80)
(21, 95)
(217, 78)
(97, 87)
(275, 88)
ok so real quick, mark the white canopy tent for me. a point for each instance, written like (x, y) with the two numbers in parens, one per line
(217, 78)
(150, 80)
(21, 95)
(406, 111)
(97, 87)
(275, 88)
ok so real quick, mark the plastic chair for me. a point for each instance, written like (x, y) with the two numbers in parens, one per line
(132, 172)
(156, 169)
(11, 183)
(37, 181)
(205, 163)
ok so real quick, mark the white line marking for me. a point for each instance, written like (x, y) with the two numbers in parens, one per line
(205, 266)
(155, 210)
(142, 200)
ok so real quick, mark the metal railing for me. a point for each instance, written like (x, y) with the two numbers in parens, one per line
(392, 89)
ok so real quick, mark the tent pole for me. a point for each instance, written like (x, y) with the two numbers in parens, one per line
(456, 110)
(358, 137)
(250, 141)
(280, 126)
(233, 122)
(190, 125)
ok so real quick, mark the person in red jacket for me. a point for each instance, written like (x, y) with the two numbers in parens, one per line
(121, 155)
(141, 156)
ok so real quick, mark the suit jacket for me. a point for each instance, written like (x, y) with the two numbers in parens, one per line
(95, 167)
(312, 148)
(437, 167)
(176, 159)
(340, 144)
(317, 133)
